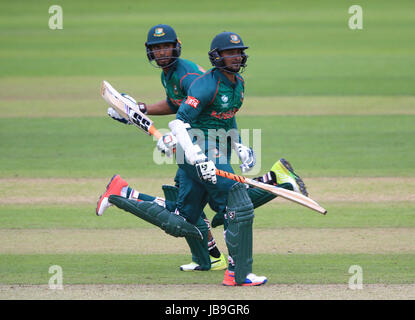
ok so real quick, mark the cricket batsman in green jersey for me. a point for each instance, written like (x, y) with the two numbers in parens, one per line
(207, 115)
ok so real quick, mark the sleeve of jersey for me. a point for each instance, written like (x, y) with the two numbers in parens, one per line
(198, 97)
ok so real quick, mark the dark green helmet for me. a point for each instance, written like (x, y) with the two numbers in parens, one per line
(226, 41)
(162, 33)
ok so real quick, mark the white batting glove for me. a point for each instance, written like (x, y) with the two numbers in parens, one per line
(207, 171)
(246, 155)
(116, 116)
(167, 144)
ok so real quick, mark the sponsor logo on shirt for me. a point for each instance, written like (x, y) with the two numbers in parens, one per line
(192, 101)
(224, 115)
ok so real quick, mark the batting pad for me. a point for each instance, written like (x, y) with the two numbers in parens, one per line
(159, 216)
(238, 236)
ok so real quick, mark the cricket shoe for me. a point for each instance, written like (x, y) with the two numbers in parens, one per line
(192, 266)
(218, 263)
(215, 264)
(285, 174)
(113, 187)
(251, 280)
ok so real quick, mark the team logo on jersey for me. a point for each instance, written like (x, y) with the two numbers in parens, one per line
(225, 98)
(159, 32)
(192, 101)
(176, 92)
(235, 38)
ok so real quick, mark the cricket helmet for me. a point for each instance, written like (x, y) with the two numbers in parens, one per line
(226, 41)
(162, 33)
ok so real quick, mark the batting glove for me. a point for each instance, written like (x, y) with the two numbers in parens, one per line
(167, 144)
(246, 155)
(116, 116)
(207, 171)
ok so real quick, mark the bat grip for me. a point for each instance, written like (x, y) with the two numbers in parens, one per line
(154, 132)
(229, 175)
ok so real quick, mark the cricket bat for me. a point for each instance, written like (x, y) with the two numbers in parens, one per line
(284, 193)
(128, 110)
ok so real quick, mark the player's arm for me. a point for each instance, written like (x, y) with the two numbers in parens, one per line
(199, 97)
(159, 108)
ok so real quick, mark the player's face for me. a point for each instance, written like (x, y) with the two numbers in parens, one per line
(163, 53)
(232, 59)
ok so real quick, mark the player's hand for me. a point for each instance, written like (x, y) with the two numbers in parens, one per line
(167, 144)
(116, 116)
(207, 171)
(246, 155)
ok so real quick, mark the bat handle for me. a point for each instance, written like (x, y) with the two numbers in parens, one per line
(154, 132)
(229, 175)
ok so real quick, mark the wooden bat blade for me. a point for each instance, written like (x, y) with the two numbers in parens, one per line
(284, 193)
(289, 195)
(110, 95)
(128, 110)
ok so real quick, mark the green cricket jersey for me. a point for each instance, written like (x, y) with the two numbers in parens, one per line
(178, 80)
(212, 102)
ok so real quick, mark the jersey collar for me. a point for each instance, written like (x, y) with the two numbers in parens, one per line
(219, 74)
(172, 69)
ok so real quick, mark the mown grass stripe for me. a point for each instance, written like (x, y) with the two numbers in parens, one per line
(150, 241)
(163, 269)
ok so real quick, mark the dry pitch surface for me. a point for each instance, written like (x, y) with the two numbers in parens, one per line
(210, 292)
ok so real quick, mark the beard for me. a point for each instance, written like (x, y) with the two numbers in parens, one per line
(165, 61)
(233, 68)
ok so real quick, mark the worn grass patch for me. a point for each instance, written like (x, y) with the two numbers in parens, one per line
(210, 292)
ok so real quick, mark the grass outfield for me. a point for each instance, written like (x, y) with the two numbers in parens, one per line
(339, 104)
